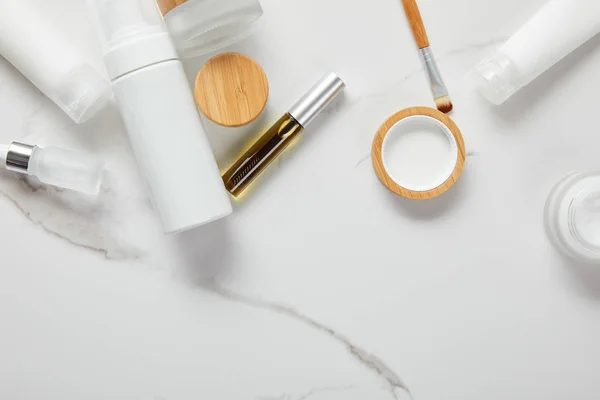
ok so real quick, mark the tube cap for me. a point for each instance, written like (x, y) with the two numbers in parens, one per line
(496, 78)
(83, 93)
(317, 99)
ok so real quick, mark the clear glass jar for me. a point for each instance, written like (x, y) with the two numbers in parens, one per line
(202, 26)
(572, 216)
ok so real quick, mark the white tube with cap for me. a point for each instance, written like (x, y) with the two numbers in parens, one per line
(160, 115)
(555, 31)
(48, 59)
(55, 166)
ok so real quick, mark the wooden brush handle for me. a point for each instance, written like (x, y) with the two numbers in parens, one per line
(416, 22)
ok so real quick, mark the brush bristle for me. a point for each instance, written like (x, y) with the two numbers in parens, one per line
(444, 104)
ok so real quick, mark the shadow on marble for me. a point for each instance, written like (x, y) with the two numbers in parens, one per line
(585, 278)
(104, 131)
(432, 208)
(117, 224)
(205, 252)
(530, 96)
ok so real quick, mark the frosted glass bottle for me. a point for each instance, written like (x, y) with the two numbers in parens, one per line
(55, 166)
(67, 169)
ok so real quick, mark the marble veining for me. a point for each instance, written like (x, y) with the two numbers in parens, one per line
(97, 224)
(368, 360)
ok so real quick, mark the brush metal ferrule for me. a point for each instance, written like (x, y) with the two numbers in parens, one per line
(438, 88)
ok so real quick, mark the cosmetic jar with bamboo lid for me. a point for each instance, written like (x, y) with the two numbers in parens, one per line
(232, 90)
(202, 26)
(418, 153)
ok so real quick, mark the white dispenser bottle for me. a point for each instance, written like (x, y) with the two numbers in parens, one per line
(160, 115)
(46, 57)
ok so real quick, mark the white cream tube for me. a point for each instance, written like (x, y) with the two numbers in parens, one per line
(559, 28)
(46, 57)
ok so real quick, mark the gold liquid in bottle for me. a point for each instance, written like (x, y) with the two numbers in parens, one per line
(266, 149)
(270, 145)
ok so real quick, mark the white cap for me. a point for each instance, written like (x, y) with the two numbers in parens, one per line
(496, 78)
(133, 35)
(82, 93)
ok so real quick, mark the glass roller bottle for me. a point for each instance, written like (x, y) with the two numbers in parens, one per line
(270, 145)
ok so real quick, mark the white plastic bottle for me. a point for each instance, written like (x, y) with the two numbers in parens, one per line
(160, 115)
(555, 31)
(46, 57)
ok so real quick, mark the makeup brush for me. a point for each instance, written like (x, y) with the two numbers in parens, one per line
(438, 88)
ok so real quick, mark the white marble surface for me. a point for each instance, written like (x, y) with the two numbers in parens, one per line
(322, 285)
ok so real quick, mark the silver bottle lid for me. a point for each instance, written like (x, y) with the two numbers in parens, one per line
(18, 157)
(317, 99)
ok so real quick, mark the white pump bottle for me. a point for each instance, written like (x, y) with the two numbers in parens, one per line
(158, 108)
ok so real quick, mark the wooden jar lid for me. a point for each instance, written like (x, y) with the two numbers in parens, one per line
(379, 146)
(232, 89)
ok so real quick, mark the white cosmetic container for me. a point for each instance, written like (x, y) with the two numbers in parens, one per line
(572, 216)
(555, 31)
(55, 166)
(160, 115)
(46, 57)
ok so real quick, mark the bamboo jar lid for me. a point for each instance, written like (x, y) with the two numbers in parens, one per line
(418, 153)
(232, 89)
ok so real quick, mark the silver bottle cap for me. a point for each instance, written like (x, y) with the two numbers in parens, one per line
(317, 99)
(18, 156)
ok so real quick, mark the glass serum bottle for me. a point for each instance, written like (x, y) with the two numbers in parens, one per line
(270, 145)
